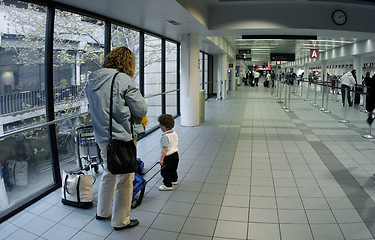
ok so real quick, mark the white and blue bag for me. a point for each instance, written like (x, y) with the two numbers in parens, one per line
(77, 189)
(4, 203)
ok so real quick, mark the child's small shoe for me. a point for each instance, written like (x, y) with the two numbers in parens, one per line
(165, 188)
(175, 183)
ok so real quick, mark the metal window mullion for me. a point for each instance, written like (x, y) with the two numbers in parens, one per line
(107, 37)
(178, 78)
(50, 115)
(142, 62)
(163, 80)
(203, 57)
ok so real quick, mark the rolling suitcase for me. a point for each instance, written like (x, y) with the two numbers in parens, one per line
(139, 185)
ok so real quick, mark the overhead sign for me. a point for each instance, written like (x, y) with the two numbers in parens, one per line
(242, 57)
(278, 62)
(282, 57)
(244, 51)
(268, 68)
(314, 53)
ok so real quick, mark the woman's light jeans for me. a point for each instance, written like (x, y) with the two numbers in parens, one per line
(117, 189)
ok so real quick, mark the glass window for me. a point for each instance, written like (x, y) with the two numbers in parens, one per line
(152, 79)
(25, 161)
(78, 51)
(171, 78)
(201, 71)
(205, 74)
(129, 38)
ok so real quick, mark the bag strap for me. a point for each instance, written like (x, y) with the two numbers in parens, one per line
(111, 111)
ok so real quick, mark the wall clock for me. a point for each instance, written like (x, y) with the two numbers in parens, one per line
(339, 17)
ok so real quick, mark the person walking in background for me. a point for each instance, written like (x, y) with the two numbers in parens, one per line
(366, 83)
(273, 78)
(128, 107)
(256, 77)
(169, 154)
(347, 83)
(370, 104)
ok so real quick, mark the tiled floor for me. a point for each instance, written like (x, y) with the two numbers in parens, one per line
(250, 171)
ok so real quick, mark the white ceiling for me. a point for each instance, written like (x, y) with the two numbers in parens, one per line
(234, 18)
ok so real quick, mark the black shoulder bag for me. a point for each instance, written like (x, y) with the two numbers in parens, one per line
(121, 155)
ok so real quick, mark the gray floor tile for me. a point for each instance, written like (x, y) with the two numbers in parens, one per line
(339, 203)
(210, 199)
(205, 211)
(89, 236)
(236, 201)
(315, 203)
(182, 196)
(167, 222)
(39, 225)
(177, 208)
(326, 231)
(264, 231)
(263, 215)
(347, 216)
(292, 216)
(237, 190)
(22, 234)
(155, 234)
(296, 232)
(262, 202)
(199, 226)
(355, 231)
(286, 192)
(184, 236)
(145, 218)
(320, 216)
(234, 214)
(289, 203)
(60, 232)
(226, 229)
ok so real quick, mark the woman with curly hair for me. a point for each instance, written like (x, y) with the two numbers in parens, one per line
(128, 104)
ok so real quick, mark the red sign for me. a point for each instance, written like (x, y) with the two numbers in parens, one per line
(264, 68)
(314, 53)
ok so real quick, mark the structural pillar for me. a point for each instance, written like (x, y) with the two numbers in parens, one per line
(358, 67)
(222, 77)
(190, 80)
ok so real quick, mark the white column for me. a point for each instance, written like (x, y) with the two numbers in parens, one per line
(224, 74)
(358, 67)
(234, 78)
(222, 77)
(190, 80)
(324, 70)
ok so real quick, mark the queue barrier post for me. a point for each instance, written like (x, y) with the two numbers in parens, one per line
(289, 91)
(301, 87)
(308, 90)
(315, 95)
(285, 99)
(322, 108)
(346, 107)
(327, 98)
(279, 92)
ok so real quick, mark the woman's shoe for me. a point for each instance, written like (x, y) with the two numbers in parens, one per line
(133, 223)
(100, 218)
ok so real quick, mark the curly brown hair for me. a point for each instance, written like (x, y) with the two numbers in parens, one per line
(122, 59)
(166, 120)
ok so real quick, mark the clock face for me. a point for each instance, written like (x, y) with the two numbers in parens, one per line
(339, 17)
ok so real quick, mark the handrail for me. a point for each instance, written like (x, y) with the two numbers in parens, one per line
(62, 119)
(150, 96)
(41, 125)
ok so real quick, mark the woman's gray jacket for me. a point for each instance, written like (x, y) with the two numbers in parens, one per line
(127, 102)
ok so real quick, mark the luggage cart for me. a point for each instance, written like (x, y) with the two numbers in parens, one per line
(88, 151)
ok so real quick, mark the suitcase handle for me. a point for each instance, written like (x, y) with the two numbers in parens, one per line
(157, 163)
